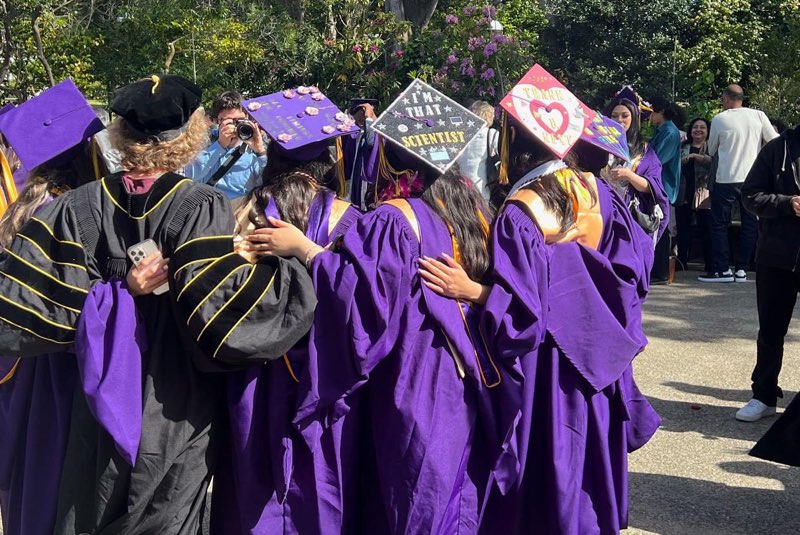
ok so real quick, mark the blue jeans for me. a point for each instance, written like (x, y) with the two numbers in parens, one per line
(723, 197)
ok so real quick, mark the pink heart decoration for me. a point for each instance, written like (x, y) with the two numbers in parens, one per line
(537, 106)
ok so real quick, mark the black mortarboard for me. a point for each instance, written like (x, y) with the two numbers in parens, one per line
(157, 104)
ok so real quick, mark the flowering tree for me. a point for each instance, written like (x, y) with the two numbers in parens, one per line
(465, 54)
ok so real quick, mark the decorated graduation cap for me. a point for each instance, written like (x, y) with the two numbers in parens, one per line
(51, 127)
(355, 103)
(157, 107)
(301, 121)
(629, 93)
(427, 124)
(548, 110)
(607, 134)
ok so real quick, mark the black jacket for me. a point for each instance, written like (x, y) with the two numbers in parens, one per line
(767, 192)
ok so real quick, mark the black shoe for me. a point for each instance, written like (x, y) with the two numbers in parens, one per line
(725, 276)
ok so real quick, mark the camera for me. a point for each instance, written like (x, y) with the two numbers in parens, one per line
(244, 130)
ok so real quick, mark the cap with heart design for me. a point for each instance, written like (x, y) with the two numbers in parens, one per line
(548, 110)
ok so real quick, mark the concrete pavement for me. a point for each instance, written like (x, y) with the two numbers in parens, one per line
(695, 475)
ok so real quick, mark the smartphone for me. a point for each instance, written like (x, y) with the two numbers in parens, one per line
(137, 253)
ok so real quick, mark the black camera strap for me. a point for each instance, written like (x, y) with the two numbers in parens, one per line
(225, 167)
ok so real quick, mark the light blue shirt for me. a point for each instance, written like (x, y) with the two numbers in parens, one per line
(241, 178)
(666, 143)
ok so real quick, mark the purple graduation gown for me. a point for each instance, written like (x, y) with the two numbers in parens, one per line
(424, 432)
(268, 481)
(567, 320)
(649, 168)
(36, 406)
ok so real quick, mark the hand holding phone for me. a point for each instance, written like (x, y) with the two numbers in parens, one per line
(144, 255)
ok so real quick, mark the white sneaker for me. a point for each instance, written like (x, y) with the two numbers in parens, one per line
(754, 411)
(740, 276)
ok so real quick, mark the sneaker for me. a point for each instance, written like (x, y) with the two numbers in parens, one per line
(740, 276)
(754, 411)
(725, 276)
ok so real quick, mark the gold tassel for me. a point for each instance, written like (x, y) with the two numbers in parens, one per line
(502, 177)
(11, 372)
(95, 161)
(156, 80)
(9, 187)
(340, 168)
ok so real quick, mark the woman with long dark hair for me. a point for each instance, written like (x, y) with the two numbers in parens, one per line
(562, 314)
(694, 197)
(638, 179)
(269, 462)
(414, 357)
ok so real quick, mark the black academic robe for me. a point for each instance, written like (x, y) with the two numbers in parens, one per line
(221, 313)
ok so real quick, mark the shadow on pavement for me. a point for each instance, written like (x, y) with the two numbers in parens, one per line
(724, 394)
(711, 421)
(677, 505)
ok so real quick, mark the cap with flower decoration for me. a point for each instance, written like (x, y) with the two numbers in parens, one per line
(49, 127)
(301, 121)
(429, 125)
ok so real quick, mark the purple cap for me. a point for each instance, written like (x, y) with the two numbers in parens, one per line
(628, 93)
(50, 125)
(301, 122)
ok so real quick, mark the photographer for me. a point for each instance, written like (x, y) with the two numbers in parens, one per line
(233, 163)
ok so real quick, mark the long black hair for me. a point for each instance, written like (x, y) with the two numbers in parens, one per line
(458, 203)
(525, 154)
(636, 143)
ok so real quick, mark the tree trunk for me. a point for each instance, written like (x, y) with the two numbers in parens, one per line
(419, 12)
(37, 37)
(8, 44)
(170, 54)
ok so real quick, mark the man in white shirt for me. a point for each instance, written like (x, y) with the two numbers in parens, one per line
(737, 135)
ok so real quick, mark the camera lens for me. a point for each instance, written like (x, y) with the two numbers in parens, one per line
(244, 131)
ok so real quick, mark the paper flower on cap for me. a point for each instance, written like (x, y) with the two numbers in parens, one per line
(314, 89)
(341, 117)
(346, 126)
(328, 129)
(289, 94)
(303, 90)
(253, 106)
(317, 96)
(312, 111)
(285, 138)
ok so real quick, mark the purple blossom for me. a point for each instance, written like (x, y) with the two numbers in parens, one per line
(524, 44)
(490, 11)
(465, 62)
(356, 48)
(475, 42)
(500, 39)
(373, 48)
(470, 71)
(399, 53)
(452, 58)
(488, 74)
(455, 86)
(441, 71)
(469, 10)
(451, 19)
(490, 90)
(489, 50)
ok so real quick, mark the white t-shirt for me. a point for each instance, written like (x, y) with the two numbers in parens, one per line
(737, 135)
(473, 160)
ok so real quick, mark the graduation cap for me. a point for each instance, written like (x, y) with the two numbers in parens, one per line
(607, 134)
(427, 124)
(355, 103)
(548, 110)
(629, 93)
(51, 127)
(300, 121)
(157, 106)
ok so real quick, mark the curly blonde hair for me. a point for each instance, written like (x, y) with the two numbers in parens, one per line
(145, 156)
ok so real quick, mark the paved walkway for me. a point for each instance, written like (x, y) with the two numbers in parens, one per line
(695, 475)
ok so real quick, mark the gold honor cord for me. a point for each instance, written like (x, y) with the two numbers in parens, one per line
(11, 372)
(95, 161)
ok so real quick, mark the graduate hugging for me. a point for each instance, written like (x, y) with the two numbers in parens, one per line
(427, 367)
